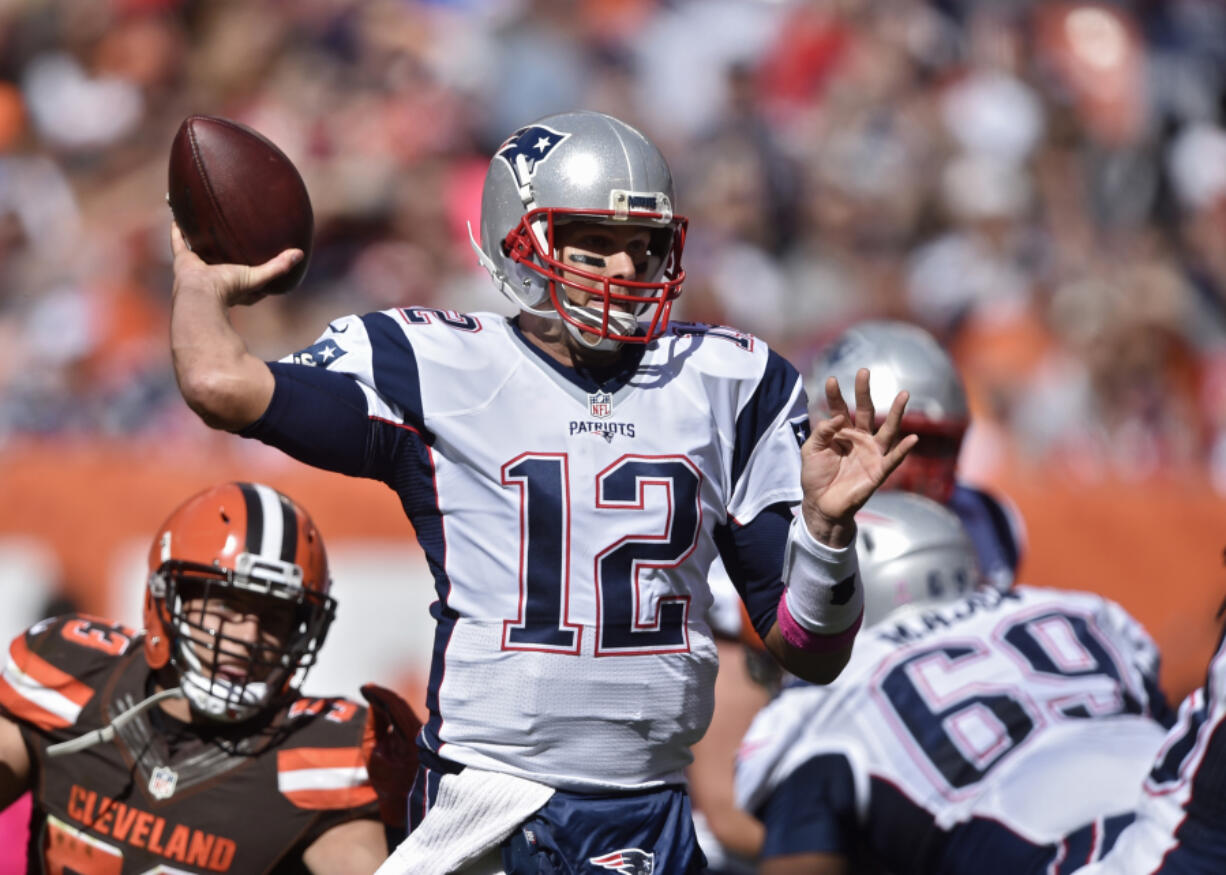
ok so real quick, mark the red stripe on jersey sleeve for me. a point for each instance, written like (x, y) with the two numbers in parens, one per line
(26, 711)
(331, 800)
(46, 676)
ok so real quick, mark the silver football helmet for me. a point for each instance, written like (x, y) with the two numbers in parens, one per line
(588, 167)
(912, 551)
(900, 356)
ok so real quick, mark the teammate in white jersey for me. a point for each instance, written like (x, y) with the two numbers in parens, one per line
(571, 474)
(973, 731)
(1181, 817)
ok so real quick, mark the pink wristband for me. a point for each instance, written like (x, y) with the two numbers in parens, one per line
(810, 642)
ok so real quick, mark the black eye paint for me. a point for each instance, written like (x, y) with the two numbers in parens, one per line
(589, 260)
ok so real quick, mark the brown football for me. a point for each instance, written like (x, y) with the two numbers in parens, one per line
(237, 198)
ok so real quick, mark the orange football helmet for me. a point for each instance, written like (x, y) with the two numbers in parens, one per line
(242, 543)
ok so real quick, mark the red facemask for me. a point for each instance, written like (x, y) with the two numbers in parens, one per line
(654, 299)
(930, 468)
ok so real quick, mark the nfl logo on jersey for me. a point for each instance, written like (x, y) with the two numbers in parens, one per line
(600, 405)
(162, 782)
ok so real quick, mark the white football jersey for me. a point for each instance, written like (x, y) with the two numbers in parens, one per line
(569, 526)
(1181, 813)
(1029, 709)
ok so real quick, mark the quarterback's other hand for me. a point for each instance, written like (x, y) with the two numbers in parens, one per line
(845, 461)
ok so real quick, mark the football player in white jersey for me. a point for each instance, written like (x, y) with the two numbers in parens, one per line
(571, 474)
(974, 730)
(1181, 817)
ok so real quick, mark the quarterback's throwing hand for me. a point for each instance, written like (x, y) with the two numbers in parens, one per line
(845, 460)
(233, 284)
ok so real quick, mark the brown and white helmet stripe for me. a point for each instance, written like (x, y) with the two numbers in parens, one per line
(272, 525)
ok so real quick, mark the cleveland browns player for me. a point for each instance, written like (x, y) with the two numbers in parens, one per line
(188, 747)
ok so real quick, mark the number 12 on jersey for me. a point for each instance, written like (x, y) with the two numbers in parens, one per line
(545, 503)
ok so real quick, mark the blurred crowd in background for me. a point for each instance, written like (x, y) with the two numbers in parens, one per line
(1041, 184)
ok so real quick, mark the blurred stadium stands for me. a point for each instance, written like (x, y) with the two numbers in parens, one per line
(1041, 184)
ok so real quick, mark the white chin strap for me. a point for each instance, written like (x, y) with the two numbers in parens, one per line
(219, 698)
(619, 321)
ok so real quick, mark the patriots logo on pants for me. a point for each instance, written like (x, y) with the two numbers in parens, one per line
(528, 147)
(628, 861)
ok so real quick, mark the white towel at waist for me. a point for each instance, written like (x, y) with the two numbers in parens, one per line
(473, 811)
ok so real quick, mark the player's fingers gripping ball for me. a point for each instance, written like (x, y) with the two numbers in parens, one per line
(390, 748)
(238, 199)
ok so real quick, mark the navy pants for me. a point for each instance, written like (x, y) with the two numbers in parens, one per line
(644, 832)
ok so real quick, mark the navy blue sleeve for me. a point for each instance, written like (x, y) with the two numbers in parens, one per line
(760, 412)
(991, 530)
(318, 417)
(813, 811)
(753, 557)
(1201, 839)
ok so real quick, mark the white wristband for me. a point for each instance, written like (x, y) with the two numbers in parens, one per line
(824, 595)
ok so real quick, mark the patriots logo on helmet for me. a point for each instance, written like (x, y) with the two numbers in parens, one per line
(533, 144)
(628, 861)
(842, 347)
